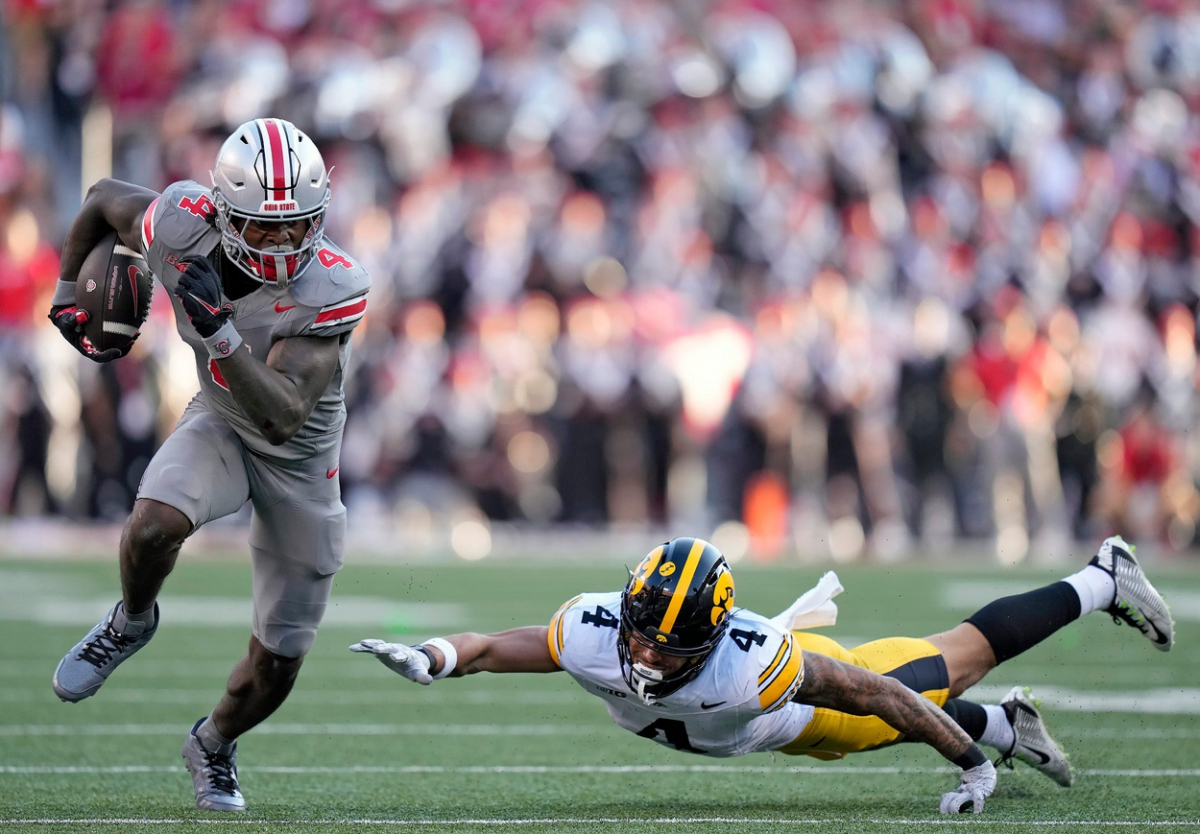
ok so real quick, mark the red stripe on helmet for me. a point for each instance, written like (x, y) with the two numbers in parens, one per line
(277, 183)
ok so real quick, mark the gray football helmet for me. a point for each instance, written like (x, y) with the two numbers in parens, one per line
(271, 172)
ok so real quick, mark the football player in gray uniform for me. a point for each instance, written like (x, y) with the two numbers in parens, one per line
(675, 662)
(267, 303)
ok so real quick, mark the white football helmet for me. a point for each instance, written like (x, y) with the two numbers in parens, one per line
(269, 171)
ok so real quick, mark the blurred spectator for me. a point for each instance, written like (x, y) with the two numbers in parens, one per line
(850, 275)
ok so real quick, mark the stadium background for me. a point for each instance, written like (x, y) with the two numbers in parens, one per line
(905, 288)
(853, 280)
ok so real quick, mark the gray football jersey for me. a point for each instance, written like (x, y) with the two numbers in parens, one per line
(327, 300)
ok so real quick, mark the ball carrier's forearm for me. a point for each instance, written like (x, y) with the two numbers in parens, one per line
(272, 400)
(277, 394)
(109, 205)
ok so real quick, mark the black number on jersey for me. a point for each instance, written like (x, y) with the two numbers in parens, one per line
(600, 618)
(674, 732)
(745, 639)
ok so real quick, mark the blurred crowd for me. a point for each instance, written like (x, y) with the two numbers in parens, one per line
(858, 278)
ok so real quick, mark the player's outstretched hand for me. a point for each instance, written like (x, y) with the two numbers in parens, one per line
(199, 290)
(405, 660)
(977, 785)
(70, 321)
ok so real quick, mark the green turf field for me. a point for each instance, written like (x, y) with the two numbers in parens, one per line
(357, 748)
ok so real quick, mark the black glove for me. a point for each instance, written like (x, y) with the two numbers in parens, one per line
(70, 320)
(199, 290)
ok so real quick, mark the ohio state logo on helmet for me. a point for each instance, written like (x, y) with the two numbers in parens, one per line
(271, 174)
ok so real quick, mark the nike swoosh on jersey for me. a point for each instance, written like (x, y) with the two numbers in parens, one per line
(329, 473)
(711, 706)
(281, 308)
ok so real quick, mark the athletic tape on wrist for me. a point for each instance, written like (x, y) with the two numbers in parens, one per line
(449, 656)
(64, 294)
(224, 342)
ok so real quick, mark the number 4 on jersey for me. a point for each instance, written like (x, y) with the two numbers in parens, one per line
(600, 618)
(746, 639)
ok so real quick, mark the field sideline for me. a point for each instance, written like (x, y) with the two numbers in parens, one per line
(358, 749)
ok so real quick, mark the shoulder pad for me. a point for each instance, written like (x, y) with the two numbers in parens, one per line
(599, 610)
(179, 220)
(333, 277)
(781, 664)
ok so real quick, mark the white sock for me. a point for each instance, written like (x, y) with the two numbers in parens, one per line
(999, 732)
(1095, 587)
(211, 738)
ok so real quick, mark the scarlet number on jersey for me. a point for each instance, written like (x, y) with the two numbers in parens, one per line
(600, 618)
(674, 733)
(329, 259)
(201, 206)
(745, 639)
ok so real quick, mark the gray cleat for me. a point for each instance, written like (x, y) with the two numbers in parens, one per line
(1136, 602)
(214, 775)
(1033, 744)
(86, 667)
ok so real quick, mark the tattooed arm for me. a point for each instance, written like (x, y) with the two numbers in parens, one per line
(835, 685)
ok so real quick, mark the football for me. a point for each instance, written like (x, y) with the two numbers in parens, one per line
(114, 286)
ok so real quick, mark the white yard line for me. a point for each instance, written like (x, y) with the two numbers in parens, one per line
(1156, 701)
(563, 770)
(286, 729)
(1093, 825)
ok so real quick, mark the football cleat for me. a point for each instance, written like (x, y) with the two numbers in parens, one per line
(1136, 602)
(214, 775)
(1033, 744)
(85, 668)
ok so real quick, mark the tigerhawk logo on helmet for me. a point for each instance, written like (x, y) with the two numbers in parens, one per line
(269, 171)
(677, 602)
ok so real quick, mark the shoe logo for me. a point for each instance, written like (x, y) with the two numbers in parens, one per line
(710, 706)
(329, 473)
(1159, 638)
(1042, 757)
(281, 308)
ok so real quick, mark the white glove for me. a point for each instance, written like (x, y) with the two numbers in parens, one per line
(976, 786)
(405, 660)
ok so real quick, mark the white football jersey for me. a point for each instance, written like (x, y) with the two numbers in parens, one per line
(741, 702)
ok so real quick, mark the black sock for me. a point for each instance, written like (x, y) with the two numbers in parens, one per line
(968, 715)
(1017, 623)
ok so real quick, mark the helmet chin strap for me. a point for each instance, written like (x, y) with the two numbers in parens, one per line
(644, 677)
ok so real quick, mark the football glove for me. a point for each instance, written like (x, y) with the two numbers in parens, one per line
(977, 785)
(401, 659)
(70, 320)
(199, 290)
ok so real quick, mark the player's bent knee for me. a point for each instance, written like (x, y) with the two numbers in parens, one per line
(290, 643)
(156, 528)
(272, 666)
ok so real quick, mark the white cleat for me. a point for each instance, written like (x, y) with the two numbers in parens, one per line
(1136, 602)
(1033, 744)
(214, 775)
